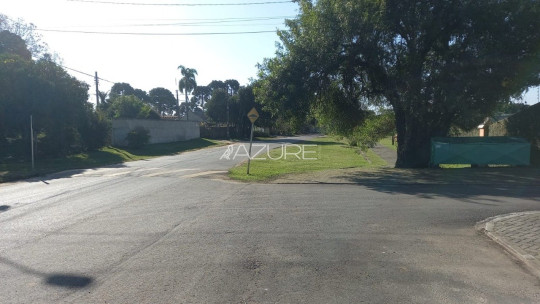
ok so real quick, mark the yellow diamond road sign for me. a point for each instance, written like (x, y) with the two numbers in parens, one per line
(253, 115)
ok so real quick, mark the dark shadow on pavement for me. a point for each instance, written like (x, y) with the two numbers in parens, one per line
(65, 280)
(68, 280)
(4, 208)
(453, 183)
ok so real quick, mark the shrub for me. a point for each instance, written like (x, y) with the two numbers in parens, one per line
(146, 112)
(58, 141)
(373, 129)
(96, 131)
(131, 107)
(138, 137)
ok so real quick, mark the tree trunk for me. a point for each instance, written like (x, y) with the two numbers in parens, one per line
(414, 137)
(187, 107)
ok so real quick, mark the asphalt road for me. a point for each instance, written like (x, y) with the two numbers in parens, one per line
(171, 230)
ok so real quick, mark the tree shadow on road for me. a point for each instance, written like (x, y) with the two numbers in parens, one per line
(453, 183)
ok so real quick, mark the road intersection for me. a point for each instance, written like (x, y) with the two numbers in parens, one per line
(173, 230)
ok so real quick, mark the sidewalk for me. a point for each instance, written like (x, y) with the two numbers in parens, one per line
(387, 154)
(519, 234)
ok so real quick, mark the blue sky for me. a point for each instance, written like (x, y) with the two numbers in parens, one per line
(147, 62)
(151, 61)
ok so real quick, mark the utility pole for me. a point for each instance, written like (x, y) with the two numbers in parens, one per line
(228, 136)
(32, 139)
(97, 90)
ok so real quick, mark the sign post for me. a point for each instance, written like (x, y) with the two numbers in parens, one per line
(252, 115)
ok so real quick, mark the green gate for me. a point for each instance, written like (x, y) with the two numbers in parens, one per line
(496, 150)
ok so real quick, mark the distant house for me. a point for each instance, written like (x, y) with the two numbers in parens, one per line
(484, 127)
(192, 117)
(523, 124)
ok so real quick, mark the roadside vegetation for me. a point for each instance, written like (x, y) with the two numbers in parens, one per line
(42, 105)
(450, 76)
(329, 152)
(105, 156)
(435, 64)
(387, 142)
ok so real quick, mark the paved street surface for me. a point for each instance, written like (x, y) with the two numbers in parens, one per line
(172, 230)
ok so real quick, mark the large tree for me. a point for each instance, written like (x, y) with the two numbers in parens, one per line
(216, 107)
(217, 85)
(201, 94)
(246, 101)
(163, 100)
(121, 89)
(142, 95)
(232, 86)
(13, 44)
(436, 63)
(27, 32)
(187, 84)
(131, 106)
(63, 120)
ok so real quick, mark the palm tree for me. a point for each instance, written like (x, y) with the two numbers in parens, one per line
(102, 100)
(187, 84)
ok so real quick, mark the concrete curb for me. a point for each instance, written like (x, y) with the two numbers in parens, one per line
(486, 227)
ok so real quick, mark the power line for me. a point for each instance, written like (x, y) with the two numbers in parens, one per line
(205, 19)
(183, 4)
(193, 22)
(89, 75)
(155, 34)
(209, 24)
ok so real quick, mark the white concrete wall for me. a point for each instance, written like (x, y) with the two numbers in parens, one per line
(161, 131)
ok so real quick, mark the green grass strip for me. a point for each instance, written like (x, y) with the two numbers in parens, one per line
(387, 142)
(329, 154)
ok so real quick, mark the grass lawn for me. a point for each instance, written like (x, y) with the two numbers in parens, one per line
(329, 154)
(263, 138)
(387, 142)
(454, 166)
(103, 157)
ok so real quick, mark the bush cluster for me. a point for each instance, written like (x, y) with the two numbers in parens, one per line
(138, 137)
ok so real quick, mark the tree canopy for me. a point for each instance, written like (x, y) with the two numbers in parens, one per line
(201, 94)
(26, 31)
(187, 84)
(121, 89)
(131, 106)
(435, 63)
(232, 86)
(163, 100)
(13, 44)
(63, 119)
(217, 84)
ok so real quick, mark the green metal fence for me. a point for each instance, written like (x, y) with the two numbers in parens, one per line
(496, 150)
